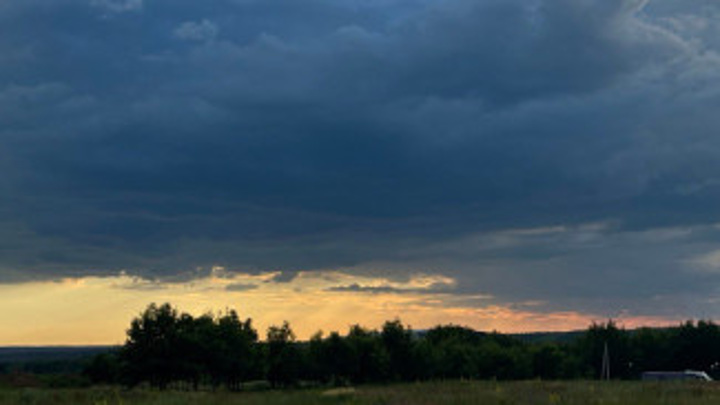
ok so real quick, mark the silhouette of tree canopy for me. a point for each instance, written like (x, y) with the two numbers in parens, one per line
(398, 342)
(282, 356)
(591, 347)
(166, 348)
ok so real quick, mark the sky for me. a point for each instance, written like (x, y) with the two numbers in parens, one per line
(515, 165)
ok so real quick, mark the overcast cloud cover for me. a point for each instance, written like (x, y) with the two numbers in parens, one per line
(564, 151)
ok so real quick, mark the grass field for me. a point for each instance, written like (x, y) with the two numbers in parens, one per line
(446, 393)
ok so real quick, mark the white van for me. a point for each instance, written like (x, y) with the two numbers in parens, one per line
(687, 375)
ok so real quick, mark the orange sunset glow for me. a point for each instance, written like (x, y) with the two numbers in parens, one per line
(96, 311)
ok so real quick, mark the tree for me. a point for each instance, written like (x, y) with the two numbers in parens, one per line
(236, 342)
(591, 345)
(652, 349)
(166, 347)
(338, 359)
(317, 368)
(367, 355)
(450, 351)
(193, 349)
(150, 350)
(696, 346)
(398, 343)
(283, 357)
(552, 361)
(104, 368)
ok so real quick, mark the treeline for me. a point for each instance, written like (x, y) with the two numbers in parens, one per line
(51, 367)
(166, 348)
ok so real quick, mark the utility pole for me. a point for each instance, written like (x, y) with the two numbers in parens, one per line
(605, 371)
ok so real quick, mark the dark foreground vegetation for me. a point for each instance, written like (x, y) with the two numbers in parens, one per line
(168, 349)
(426, 393)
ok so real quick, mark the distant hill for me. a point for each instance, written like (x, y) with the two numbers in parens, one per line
(49, 353)
(530, 337)
(548, 337)
(48, 360)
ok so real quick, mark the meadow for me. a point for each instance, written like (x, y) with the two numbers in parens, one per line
(428, 393)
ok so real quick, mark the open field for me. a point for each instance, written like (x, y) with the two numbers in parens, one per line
(453, 393)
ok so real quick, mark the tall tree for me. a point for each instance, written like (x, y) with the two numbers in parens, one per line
(283, 357)
(398, 342)
(237, 349)
(591, 347)
(368, 355)
(151, 347)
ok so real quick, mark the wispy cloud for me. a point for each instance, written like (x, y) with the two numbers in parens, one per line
(388, 289)
(240, 287)
(197, 31)
(118, 6)
(707, 262)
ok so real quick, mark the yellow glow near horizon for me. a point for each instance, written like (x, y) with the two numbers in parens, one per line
(95, 310)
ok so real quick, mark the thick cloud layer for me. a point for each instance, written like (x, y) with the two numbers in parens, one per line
(393, 137)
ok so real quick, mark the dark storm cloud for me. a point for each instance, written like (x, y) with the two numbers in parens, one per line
(161, 136)
(283, 277)
(388, 289)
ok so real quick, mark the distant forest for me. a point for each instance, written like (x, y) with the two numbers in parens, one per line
(169, 349)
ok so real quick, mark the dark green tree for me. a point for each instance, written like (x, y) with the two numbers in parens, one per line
(150, 351)
(283, 356)
(652, 350)
(696, 346)
(368, 356)
(398, 342)
(103, 368)
(553, 361)
(591, 345)
(236, 347)
(166, 347)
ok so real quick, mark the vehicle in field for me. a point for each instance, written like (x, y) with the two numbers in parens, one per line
(687, 375)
